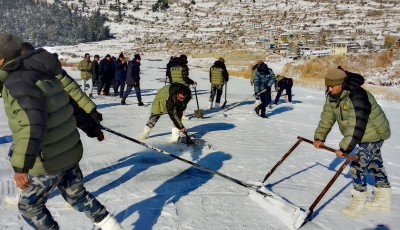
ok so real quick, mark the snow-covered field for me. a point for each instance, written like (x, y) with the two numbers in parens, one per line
(149, 190)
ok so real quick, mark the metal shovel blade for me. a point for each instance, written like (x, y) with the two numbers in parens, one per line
(199, 113)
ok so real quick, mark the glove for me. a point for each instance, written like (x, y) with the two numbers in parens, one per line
(100, 137)
(96, 116)
(257, 97)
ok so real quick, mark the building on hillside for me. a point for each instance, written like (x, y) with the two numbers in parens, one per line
(307, 53)
(339, 48)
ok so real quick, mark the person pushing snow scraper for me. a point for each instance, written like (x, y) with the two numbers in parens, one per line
(362, 122)
(172, 100)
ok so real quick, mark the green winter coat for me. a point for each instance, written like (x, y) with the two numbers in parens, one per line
(180, 73)
(85, 66)
(360, 118)
(165, 102)
(76, 93)
(40, 115)
(218, 73)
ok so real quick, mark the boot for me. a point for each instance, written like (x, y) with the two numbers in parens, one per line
(257, 109)
(146, 133)
(140, 103)
(210, 105)
(175, 135)
(263, 115)
(382, 200)
(123, 102)
(109, 223)
(357, 204)
(216, 105)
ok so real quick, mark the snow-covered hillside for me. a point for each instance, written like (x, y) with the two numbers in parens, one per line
(149, 190)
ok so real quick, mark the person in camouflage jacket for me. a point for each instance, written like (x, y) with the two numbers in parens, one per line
(47, 146)
(362, 123)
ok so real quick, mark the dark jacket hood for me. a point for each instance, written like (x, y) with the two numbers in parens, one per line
(220, 64)
(353, 81)
(39, 60)
(263, 68)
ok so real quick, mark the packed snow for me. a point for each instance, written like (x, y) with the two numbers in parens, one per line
(146, 189)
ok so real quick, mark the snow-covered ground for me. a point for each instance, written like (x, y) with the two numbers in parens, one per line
(149, 190)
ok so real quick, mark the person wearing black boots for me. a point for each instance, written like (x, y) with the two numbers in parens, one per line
(133, 80)
(263, 81)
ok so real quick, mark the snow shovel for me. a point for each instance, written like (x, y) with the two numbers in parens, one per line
(223, 105)
(199, 113)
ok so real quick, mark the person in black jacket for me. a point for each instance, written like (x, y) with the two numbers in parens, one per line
(107, 72)
(133, 80)
(95, 73)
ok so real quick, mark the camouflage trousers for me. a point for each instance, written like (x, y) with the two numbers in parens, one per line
(216, 90)
(370, 162)
(70, 183)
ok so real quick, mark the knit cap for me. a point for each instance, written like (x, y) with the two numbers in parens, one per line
(10, 46)
(335, 77)
(221, 60)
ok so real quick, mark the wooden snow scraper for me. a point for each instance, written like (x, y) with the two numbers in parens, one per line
(291, 215)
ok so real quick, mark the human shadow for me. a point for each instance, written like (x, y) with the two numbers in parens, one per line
(171, 191)
(281, 108)
(378, 227)
(6, 139)
(196, 134)
(136, 163)
(208, 113)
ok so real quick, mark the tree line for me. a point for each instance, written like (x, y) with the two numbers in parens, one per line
(44, 24)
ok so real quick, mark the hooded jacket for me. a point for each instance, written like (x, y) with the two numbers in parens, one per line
(218, 73)
(166, 102)
(180, 72)
(360, 118)
(264, 79)
(40, 115)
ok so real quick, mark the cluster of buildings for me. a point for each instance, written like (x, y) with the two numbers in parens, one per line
(291, 28)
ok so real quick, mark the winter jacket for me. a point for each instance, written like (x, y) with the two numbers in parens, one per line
(133, 75)
(264, 79)
(95, 71)
(360, 118)
(283, 82)
(85, 66)
(106, 69)
(218, 73)
(180, 73)
(171, 62)
(76, 93)
(41, 117)
(166, 102)
(120, 70)
(253, 73)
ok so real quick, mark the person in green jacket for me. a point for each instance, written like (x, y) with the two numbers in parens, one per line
(85, 66)
(218, 77)
(364, 127)
(43, 120)
(172, 100)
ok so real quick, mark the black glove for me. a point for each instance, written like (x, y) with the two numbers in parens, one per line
(100, 137)
(96, 116)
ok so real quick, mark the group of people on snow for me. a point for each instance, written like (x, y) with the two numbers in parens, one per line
(45, 106)
(111, 71)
